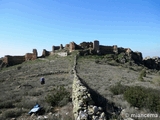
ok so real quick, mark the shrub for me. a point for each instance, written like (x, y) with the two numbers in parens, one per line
(141, 75)
(6, 104)
(143, 98)
(140, 78)
(139, 96)
(135, 96)
(59, 97)
(12, 113)
(118, 89)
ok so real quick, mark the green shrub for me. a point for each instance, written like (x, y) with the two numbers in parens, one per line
(135, 96)
(143, 98)
(141, 75)
(59, 97)
(12, 113)
(118, 89)
(6, 104)
(140, 78)
(139, 96)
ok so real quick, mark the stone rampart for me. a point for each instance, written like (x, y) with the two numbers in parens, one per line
(13, 60)
(83, 106)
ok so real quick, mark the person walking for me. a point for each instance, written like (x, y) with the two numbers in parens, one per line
(42, 80)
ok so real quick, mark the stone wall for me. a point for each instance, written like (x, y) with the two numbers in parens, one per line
(55, 48)
(63, 54)
(83, 106)
(45, 53)
(96, 45)
(31, 56)
(106, 50)
(86, 45)
(72, 46)
(120, 50)
(13, 60)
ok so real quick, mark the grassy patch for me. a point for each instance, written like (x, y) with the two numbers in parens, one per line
(139, 96)
(59, 97)
(12, 113)
(118, 89)
(6, 104)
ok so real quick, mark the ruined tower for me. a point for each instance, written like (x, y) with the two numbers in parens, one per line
(115, 49)
(72, 46)
(96, 45)
(61, 47)
(53, 49)
(35, 54)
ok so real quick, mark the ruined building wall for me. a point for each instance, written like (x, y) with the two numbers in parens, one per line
(63, 54)
(96, 45)
(61, 47)
(31, 56)
(66, 47)
(45, 53)
(13, 60)
(85, 45)
(106, 50)
(72, 46)
(54, 48)
(115, 49)
(120, 50)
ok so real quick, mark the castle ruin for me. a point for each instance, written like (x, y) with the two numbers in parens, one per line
(84, 48)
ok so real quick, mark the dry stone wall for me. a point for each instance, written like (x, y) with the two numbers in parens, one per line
(83, 106)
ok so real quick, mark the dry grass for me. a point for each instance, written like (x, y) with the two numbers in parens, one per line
(102, 76)
(21, 88)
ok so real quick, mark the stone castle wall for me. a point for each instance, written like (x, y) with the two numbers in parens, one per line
(13, 60)
(45, 53)
(31, 56)
(96, 45)
(106, 49)
(86, 45)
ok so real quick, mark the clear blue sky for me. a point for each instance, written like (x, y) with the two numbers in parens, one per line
(40, 24)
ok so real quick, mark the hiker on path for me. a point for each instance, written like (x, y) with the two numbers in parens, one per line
(42, 80)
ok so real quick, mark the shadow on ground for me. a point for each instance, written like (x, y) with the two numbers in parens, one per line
(109, 108)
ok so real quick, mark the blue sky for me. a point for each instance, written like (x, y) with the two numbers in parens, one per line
(40, 24)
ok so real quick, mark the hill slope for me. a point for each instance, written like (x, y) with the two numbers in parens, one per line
(21, 88)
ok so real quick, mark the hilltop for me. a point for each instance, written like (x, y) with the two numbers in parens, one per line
(120, 54)
(107, 76)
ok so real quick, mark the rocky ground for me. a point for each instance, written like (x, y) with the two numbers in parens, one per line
(20, 87)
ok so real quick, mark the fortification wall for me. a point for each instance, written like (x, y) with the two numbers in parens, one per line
(96, 45)
(106, 49)
(120, 50)
(45, 53)
(31, 56)
(83, 105)
(86, 45)
(13, 60)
